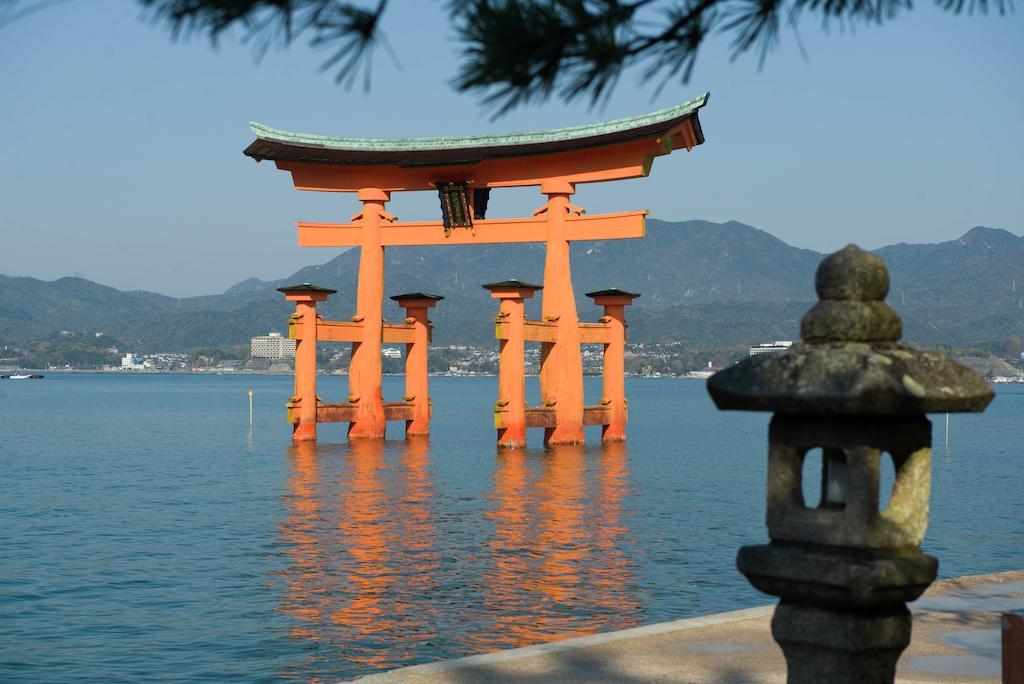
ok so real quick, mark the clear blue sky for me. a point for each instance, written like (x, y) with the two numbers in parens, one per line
(122, 151)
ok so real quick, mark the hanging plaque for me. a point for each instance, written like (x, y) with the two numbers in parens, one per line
(455, 211)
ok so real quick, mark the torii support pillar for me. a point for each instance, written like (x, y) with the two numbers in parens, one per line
(510, 408)
(614, 302)
(417, 306)
(561, 366)
(304, 400)
(364, 375)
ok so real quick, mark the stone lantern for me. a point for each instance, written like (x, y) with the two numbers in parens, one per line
(844, 569)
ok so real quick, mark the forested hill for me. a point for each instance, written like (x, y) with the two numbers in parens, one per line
(702, 283)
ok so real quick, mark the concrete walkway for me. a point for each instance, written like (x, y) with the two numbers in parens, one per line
(956, 638)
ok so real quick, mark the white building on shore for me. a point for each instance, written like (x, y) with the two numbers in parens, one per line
(132, 362)
(272, 346)
(771, 347)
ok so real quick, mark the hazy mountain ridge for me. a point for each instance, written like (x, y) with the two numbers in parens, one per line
(75, 302)
(702, 283)
(984, 261)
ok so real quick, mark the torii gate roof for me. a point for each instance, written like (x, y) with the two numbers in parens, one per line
(283, 146)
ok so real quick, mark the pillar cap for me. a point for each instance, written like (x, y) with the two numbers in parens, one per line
(613, 292)
(851, 362)
(412, 296)
(305, 288)
(512, 283)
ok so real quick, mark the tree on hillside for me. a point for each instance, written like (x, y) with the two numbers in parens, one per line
(519, 51)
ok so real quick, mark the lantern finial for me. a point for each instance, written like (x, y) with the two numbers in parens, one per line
(852, 285)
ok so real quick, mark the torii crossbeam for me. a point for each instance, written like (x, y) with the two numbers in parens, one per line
(464, 170)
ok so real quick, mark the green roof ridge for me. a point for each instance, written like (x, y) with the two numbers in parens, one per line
(462, 142)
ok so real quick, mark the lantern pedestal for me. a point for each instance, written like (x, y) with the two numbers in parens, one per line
(840, 647)
(843, 616)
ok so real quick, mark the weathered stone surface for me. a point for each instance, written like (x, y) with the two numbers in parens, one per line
(851, 285)
(852, 274)
(828, 646)
(858, 444)
(836, 577)
(850, 378)
(832, 321)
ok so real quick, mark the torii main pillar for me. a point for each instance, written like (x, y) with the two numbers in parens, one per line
(561, 366)
(364, 378)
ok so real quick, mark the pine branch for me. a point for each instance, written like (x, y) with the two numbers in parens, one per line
(515, 52)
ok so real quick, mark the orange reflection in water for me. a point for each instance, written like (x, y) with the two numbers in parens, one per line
(558, 567)
(416, 516)
(364, 562)
(611, 537)
(389, 535)
(511, 554)
(363, 521)
(562, 539)
(360, 545)
(305, 550)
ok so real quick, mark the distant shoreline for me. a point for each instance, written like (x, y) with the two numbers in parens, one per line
(91, 371)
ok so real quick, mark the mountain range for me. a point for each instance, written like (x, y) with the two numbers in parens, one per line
(703, 284)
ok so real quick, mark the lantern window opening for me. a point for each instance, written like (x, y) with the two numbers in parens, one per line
(811, 477)
(887, 475)
(824, 479)
(907, 470)
(835, 479)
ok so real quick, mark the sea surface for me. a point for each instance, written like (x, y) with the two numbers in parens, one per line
(148, 533)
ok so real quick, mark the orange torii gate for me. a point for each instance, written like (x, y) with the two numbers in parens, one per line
(464, 170)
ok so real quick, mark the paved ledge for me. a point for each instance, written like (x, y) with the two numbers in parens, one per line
(956, 639)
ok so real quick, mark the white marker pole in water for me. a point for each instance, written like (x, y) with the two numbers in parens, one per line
(947, 430)
(250, 412)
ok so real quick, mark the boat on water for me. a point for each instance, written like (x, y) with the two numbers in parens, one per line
(21, 376)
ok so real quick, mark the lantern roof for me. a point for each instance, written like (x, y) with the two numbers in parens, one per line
(279, 145)
(851, 361)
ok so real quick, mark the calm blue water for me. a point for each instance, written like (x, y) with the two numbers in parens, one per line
(147, 534)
